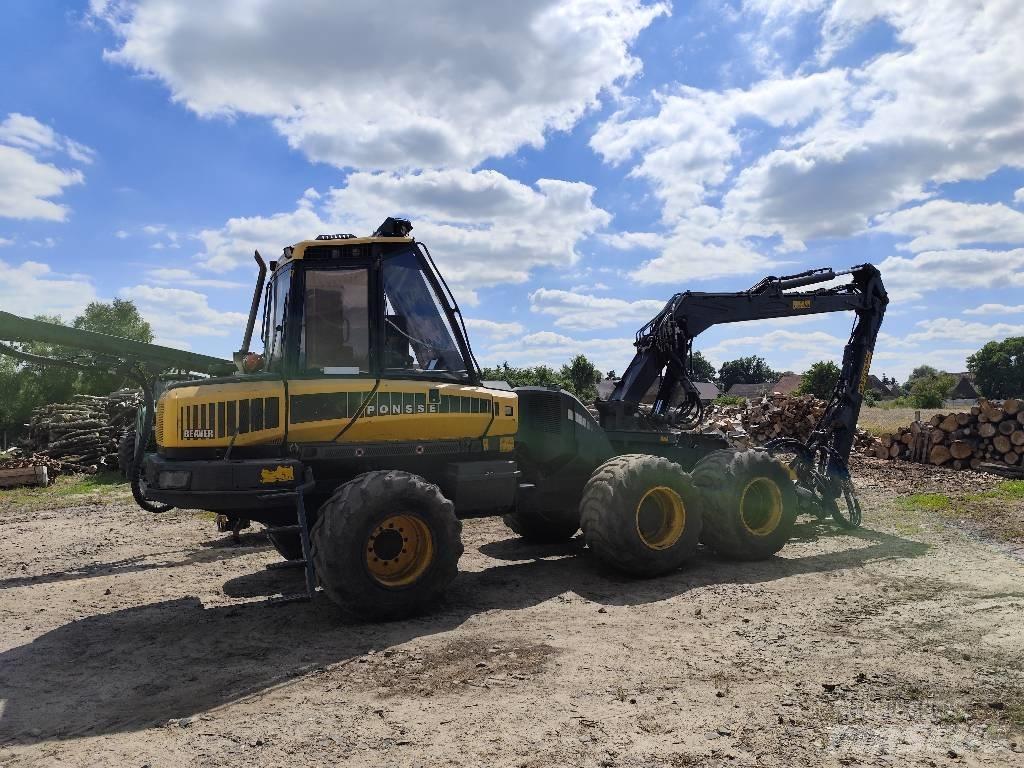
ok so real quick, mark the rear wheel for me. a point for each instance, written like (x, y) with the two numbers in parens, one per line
(641, 514)
(751, 505)
(386, 545)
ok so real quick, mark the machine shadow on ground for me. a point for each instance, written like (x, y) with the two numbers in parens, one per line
(210, 551)
(142, 666)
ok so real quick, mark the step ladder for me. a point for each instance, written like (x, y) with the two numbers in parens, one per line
(301, 526)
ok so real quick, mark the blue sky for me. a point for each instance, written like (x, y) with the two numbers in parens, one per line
(571, 163)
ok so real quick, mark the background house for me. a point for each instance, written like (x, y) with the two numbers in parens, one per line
(708, 390)
(964, 389)
(788, 384)
(749, 391)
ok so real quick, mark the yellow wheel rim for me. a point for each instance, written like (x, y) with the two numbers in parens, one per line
(761, 506)
(399, 550)
(660, 517)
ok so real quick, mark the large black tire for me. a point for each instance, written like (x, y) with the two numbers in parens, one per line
(133, 474)
(544, 526)
(288, 545)
(126, 453)
(641, 514)
(750, 503)
(386, 545)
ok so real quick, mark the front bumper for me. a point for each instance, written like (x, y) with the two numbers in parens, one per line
(222, 486)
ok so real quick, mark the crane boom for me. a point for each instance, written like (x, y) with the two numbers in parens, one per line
(152, 357)
(665, 346)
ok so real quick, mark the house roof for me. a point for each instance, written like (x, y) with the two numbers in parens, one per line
(605, 388)
(707, 390)
(788, 384)
(875, 385)
(964, 390)
(748, 390)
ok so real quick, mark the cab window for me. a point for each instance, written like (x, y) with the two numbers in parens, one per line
(417, 335)
(274, 313)
(335, 334)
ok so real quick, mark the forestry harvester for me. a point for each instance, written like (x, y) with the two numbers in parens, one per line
(363, 433)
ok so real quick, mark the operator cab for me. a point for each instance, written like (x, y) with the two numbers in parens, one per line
(363, 307)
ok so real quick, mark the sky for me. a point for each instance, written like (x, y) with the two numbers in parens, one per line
(570, 163)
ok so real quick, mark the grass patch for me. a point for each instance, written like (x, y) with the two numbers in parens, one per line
(887, 419)
(67, 491)
(999, 512)
(1008, 490)
(930, 502)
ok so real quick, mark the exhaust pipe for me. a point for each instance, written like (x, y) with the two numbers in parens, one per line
(239, 356)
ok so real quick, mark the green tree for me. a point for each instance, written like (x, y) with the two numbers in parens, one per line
(921, 372)
(703, 370)
(998, 368)
(24, 386)
(537, 376)
(820, 379)
(931, 391)
(580, 376)
(119, 318)
(746, 370)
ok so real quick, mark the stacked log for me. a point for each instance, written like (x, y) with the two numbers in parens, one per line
(992, 432)
(774, 416)
(81, 435)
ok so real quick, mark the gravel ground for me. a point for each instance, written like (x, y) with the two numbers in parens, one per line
(139, 640)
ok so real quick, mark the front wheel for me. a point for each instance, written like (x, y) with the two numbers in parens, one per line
(134, 474)
(386, 545)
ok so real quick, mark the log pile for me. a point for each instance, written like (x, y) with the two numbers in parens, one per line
(992, 432)
(81, 435)
(774, 416)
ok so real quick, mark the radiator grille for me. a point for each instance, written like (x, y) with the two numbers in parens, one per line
(160, 423)
(548, 414)
(226, 418)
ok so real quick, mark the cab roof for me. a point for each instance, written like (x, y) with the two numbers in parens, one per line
(298, 251)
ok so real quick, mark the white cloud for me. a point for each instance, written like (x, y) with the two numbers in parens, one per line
(121, 234)
(909, 278)
(5, 241)
(482, 228)
(492, 327)
(783, 349)
(684, 257)
(995, 309)
(945, 107)
(177, 276)
(432, 84)
(27, 182)
(27, 133)
(943, 224)
(1018, 196)
(32, 288)
(171, 310)
(963, 331)
(579, 311)
(554, 349)
(688, 147)
(233, 244)
(844, 144)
